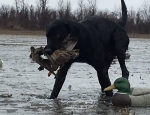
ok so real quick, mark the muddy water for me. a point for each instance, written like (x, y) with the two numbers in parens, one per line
(30, 88)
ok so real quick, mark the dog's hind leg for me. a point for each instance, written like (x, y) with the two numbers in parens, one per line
(121, 59)
(108, 59)
(121, 42)
(120, 52)
(60, 78)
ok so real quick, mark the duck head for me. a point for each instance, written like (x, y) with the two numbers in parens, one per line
(122, 84)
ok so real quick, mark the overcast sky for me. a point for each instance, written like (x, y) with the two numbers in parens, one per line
(101, 4)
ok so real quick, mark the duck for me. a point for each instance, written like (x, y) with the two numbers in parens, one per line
(56, 60)
(127, 96)
(1, 63)
(60, 57)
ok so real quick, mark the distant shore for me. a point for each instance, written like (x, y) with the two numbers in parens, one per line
(42, 33)
(22, 32)
(139, 35)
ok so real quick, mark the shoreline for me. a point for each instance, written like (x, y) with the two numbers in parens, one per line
(146, 36)
(42, 33)
(22, 32)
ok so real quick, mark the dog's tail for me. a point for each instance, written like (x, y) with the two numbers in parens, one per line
(124, 14)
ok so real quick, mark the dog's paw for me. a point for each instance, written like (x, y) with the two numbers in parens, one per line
(41, 68)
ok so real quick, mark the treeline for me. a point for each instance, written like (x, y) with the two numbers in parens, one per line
(24, 17)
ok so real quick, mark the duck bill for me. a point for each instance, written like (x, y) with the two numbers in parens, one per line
(111, 87)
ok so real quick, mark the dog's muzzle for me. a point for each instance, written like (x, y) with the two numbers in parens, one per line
(67, 44)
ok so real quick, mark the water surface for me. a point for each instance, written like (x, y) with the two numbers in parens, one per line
(29, 87)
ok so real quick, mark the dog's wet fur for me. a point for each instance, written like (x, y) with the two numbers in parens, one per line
(99, 41)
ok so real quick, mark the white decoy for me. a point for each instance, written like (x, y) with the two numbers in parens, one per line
(1, 63)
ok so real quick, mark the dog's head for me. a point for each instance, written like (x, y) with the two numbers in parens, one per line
(57, 32)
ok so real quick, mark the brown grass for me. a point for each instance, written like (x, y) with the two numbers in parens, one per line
(139, 35)
(20, 32)
(42, 33)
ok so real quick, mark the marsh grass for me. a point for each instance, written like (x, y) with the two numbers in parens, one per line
(139, 35)
(125, 111)
(21, 32)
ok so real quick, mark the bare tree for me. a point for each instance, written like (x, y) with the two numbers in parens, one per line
(145, 15)
(138, 23)
(17, 5)
(22, 16)
(12, 18)
(41, 5)
(67, 12)
(42, 13)
(22, 5)
(131, 21)
(33, 24)
(80, 10)
(4, 15)
(145, 10)
(61, 9)
(91, 8)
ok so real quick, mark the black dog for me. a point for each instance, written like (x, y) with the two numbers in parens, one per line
(99, 41)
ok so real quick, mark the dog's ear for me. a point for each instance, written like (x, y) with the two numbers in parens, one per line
(73, 29)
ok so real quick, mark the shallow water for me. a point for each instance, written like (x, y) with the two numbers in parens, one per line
(30, 88)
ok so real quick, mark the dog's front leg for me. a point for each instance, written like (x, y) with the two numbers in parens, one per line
(104, 80)
(60, 78)
(102, 72)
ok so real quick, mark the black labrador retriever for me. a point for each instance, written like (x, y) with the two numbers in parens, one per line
(99, 41)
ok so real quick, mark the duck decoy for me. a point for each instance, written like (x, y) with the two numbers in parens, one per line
(126, 96)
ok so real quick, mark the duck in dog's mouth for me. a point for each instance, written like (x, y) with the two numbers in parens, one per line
(57, 59)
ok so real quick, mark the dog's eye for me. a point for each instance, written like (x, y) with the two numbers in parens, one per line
(57, 36)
